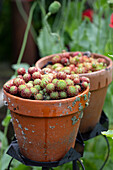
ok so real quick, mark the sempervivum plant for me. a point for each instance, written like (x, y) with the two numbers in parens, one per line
(76, 63)
(45, 84)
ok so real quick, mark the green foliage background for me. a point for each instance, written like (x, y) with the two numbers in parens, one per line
(80, 35)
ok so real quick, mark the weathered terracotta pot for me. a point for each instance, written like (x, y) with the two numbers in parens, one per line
(46, 130)
(99, 82)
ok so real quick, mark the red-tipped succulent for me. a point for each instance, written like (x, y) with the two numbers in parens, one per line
(36, 75)
(72, 91)
(78, 63)
(13, 90)
(26, 93)
(56, 59)
(18, 81)
(21, 71)
(50, 87)
(31, 70)
(61, 75)
(27, 77)
(46, 84)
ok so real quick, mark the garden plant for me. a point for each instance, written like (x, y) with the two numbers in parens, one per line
(92, 66)
(69, 26)
(50, 100)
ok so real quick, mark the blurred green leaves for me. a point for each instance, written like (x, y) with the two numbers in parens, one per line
(48, 44)
(79, 35)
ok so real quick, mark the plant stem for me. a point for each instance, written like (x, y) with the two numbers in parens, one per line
(106, 30)
(58, 22)
(47, 15)
(66, 17)
(81, 10)
(43, 4)
(99, 26)
(76, 9)
(42, 7)
(111, 42)
(26, 33)
(25, 17)
(49, 30)
(45, 22)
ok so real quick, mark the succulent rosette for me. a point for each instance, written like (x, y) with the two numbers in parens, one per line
(46, 84)
(76, 63)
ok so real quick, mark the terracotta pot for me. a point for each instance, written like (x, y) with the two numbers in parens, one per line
(46, 130)
(99, 82)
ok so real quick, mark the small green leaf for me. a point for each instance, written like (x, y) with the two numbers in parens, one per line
(12, 77)
(16, 66)
(6, 121)
(108, 133)
(3, 140)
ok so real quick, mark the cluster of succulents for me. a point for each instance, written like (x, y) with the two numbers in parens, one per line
(45, 84)
(76, 63)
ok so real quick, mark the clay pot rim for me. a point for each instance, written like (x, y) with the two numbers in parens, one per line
(83, 74)
(47, 101)
(51, 108)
